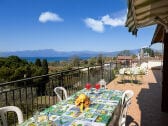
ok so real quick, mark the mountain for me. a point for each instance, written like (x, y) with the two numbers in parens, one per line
(53, 53)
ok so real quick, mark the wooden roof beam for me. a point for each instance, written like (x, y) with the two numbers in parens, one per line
(162, 22)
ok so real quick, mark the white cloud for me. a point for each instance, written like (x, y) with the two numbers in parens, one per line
(49, 16)
(114, 20)
(118, 21)
(95, 25)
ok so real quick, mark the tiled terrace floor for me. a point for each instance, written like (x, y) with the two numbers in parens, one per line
(145, 109)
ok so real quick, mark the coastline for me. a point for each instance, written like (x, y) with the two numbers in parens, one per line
(51, 59)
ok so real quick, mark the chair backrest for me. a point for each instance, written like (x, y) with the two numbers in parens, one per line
(58, 92)
(6, 109)
(123, 114)
(126, 101)
(122, 71)
(135, 70)
(128, 94)
(102, 83)
(144, 65)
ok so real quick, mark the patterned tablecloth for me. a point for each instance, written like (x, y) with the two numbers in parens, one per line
(65, 113)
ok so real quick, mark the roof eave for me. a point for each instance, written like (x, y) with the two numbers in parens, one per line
(158, 35)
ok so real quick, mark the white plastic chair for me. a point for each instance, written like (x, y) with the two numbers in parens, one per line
(123, 114)
(121, 73)
(102, 83)
(144, 68)
(6, 109)
(119, 115)
(135, 72)
(144, 65)
(126, 101)
(57, 92)
(128, 94)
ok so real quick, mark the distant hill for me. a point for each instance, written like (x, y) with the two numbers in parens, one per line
(53, 53)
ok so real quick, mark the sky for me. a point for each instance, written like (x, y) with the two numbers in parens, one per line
(68, 25)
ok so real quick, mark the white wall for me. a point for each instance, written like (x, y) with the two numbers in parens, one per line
(154, 64)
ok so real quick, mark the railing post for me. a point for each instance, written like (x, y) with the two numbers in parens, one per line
(25, 85)
(116, 64)
(88, 74)
(79, 79)
(102, 71)
(62, 84)
(62, 79)
(110, 71)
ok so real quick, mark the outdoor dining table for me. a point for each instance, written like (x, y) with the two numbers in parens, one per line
(65, 113)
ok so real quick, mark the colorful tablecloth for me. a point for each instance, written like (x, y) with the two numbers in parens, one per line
(65, 113)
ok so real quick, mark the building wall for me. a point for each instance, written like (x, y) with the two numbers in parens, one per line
(152, 64)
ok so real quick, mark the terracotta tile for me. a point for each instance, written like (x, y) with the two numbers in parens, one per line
(145, 109)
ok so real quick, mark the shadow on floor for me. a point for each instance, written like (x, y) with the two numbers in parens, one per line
(130, 121)
(129, 81)
(133, 80)
(149, 101)
(158, 75)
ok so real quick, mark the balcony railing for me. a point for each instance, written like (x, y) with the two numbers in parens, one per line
(33, 93)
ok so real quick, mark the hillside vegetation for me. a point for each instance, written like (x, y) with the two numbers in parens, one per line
(13, 68)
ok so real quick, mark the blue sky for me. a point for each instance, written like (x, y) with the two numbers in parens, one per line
(68, 25)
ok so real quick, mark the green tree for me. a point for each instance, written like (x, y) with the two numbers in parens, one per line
(38, 62)
(36, 70)
(11, 68)
(75, 61)
(6, 74)
(124, 53)
(134, 56)
(28, 71)
(14, 68)
(149, 51)
(45, 66)
(84, 62)
(19, 73)
(92, 61)
(100, 59)
(46, 78)
(114, 58)
(2, 61)
(14, 62)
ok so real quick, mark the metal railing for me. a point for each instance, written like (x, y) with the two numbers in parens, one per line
(33, 93)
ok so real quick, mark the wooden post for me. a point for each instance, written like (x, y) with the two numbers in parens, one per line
(165, 76)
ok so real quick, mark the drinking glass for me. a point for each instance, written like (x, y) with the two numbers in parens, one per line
(97, 86)
(35, 116)
(88, 86)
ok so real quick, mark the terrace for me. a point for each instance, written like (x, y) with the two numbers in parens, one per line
(145, 107)
(146, 104)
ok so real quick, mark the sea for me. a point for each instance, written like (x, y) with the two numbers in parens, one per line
(51, 59)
